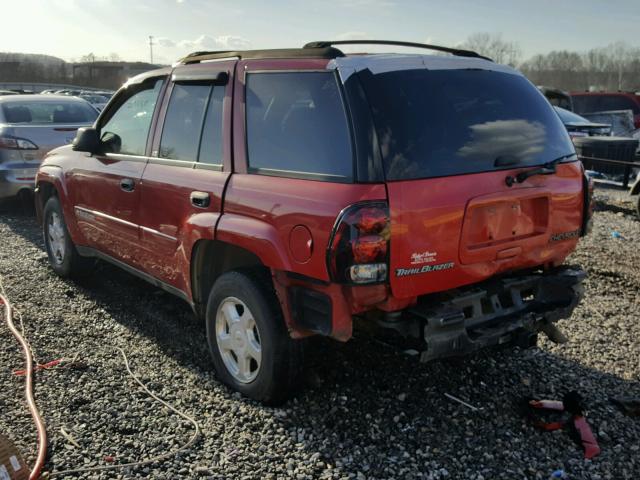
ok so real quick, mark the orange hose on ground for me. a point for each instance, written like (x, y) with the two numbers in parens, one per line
(42, 433)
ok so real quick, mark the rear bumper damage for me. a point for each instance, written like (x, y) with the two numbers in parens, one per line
(505, 310)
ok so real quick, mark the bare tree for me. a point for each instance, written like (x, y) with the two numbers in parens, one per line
(614, 67)
(493, 46)
(90, 57)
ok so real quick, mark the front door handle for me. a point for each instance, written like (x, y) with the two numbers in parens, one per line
(127, 184)
(200, 199)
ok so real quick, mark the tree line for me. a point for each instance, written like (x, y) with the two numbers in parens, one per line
(613, 67)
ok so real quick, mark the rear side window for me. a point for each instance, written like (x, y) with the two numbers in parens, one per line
(128, 128)
(434, 123)
(192, 129)
(297, 125)
(603, 103)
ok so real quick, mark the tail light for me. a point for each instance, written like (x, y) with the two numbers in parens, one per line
(587, 209)
(15, 143)
(359, 247)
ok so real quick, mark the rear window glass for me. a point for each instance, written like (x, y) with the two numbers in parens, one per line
(603, 103)
(296, 124)
(585, 103)
(616, 102)
(435, 123)
(49, 112)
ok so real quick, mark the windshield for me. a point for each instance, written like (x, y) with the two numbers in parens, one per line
(433, 123)
(49, 112)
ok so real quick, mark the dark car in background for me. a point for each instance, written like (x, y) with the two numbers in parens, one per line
(589, 102)
(557, 97)
(30, 126)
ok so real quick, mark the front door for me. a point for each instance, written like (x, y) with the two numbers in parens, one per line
(185, 177)
(107, 187)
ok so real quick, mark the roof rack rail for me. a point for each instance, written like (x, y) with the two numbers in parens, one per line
(205, 52)
(319, 52)
(454, 51)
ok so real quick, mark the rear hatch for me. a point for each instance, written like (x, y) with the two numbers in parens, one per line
(449, 138)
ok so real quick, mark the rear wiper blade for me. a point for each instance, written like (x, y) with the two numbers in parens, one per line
(548, 168)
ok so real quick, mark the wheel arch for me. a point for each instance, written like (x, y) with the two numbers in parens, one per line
(50, 182)
(212, 258)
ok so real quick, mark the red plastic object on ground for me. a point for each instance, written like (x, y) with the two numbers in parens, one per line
(571, 403)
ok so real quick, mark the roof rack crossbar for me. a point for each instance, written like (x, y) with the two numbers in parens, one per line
(454, 51)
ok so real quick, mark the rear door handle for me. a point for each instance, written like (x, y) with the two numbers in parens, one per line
(127, 184)
(200, 199)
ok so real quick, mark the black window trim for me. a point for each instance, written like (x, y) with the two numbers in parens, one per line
(274, 172)
(176, 162)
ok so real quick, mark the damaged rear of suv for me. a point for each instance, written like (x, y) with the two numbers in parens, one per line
(486, 199)
(285, 193)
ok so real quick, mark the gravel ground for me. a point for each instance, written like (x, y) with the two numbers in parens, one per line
(365, 412)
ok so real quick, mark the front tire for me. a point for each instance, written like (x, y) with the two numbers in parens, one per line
(63, 256)
(251, 349)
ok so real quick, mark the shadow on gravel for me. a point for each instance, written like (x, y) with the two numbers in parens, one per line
(17, 207)
(364, 407)
(626, 208)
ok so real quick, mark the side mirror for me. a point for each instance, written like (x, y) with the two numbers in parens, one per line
(86, 140)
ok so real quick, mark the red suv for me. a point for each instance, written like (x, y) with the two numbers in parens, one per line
(283, 193)
(589, 102)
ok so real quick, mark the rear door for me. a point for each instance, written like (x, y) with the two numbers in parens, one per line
(106, 188)
(188, 169)
(450, 138)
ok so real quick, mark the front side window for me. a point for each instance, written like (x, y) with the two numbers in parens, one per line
(127, 130)
(296, 123)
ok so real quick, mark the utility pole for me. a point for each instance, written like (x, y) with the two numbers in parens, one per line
(151, 48)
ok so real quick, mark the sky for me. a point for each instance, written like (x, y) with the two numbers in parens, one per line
(70, 29)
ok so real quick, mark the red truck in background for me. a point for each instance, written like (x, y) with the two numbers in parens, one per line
(282, 193)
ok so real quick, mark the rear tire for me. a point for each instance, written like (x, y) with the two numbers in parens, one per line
(251, 348)
(63, 256)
